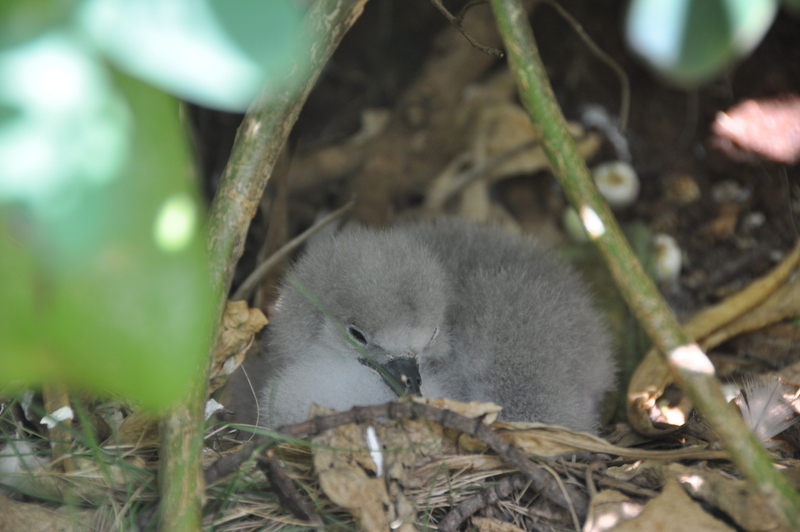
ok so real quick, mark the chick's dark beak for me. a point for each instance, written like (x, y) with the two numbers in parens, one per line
(404, 371)
(400, 374)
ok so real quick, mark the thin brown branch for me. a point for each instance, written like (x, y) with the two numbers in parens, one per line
(456, 22)
(258, 144)
(285, 488)
(482, 499)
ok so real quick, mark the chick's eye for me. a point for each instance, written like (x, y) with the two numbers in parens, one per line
(356, 334)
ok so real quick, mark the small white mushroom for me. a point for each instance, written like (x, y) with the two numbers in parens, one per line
(617, 182)
(668, 258)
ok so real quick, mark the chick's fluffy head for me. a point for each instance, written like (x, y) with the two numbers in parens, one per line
(381, 281)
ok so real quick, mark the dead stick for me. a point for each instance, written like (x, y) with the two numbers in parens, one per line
(482, 499)
(258, 143)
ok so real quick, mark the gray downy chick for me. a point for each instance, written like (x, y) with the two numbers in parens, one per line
(524, 333)
(378, 298)
(485, 316)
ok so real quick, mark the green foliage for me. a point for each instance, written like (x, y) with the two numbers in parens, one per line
(104, 281)
(219, 53)
(24, 19)
(691, 41)
(91, 292)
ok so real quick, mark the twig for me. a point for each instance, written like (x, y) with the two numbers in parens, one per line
(692, 367)
(249, 284)
(456, 22)
(257, 146)
(285, 488)
(482, 499)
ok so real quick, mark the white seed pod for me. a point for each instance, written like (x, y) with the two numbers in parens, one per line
(668, 258)
(617, 182)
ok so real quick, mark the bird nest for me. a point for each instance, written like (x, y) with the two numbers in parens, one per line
(401, 466)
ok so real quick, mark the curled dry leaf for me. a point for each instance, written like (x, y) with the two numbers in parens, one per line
(647, 404)
(609, 508)
(784, 303)
(737, 498)
(240, 323)
(673, 510)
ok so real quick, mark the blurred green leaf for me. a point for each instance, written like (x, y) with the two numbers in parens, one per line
(104, 280)
(691, 41)
(218, 53)
(21, 20)
(63, 123)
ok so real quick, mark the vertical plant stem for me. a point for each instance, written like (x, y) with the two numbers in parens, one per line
(259, 141)
(693, 370)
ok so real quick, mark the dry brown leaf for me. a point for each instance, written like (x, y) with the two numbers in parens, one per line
(138, 429)
(783, 303)
(472, 409)
(506, 125)
(653, 376)
(348, 473)
(737, 498)
(724, 312)
(536, 439)
(609, 508)
(495, 124)
(339, 460)
(672, 510)
(240, 323)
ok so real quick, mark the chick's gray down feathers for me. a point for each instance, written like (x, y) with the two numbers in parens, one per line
(487, 315)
